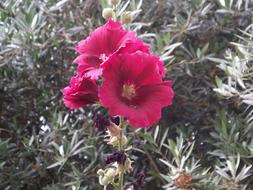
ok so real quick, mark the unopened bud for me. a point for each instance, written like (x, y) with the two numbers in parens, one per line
(114, 130)
(113, 2)
(114, 141)
(127, 167)
(108, 13)
(101, 172)
(121, 168)
(126, 17)
(124, 140)
(107, 177)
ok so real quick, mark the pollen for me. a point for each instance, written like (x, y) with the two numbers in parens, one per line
(128, 91)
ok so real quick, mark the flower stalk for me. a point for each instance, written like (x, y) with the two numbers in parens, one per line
(118, 162)
(121, 174)
(104, 61)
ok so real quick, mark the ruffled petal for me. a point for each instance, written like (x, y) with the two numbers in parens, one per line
(150, 94)
(82, 91)
(105, 40)
(88, 66)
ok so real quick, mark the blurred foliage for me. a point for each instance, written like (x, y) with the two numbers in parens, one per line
(203, 142)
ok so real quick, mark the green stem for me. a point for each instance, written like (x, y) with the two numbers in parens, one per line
(120, 139)
(121, 180)
(121, 174)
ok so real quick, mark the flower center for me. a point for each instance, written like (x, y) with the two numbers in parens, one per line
(128, 91)
(103, 57)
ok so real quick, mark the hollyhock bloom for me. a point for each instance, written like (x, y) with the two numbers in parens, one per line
(160, 67)
(137, 45)
(103, 42)
(82, 91)
(133, 88)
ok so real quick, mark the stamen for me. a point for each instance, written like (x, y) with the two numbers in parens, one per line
(128, 91)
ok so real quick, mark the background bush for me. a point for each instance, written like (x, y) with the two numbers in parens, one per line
(207, 48)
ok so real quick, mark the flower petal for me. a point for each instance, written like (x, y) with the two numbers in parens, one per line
(151, 93)
(82, 91)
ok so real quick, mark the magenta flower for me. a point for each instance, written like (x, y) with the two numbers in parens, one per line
(133, 88)
(102, 43)
(82, 91)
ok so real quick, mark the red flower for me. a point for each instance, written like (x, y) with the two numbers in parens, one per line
(133, 88)
(103, 42)
(82, 91)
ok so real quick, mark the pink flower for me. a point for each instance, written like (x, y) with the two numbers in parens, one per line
(160, 67)
(133, 88)
(102, 43)
(82, 91)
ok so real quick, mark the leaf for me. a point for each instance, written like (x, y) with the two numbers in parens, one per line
(171, 48)
(167, 163)
(223, 3)
(243, 174)
(156, 133)
(232, 168)
(167, 38)
(58, 5)
(34, 21)
(217, 60)
(55, 165)
(190, 150)
(61, 150)
(122, 9)
(222, 173)
(163, 138)
(31, 140)
(139, 4)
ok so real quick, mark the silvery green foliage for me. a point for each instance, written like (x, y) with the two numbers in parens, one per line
(21, 24)
(44, 146)
(232, 175)
(182, 163)
(238, 67)
(37, 141)
(231, 137)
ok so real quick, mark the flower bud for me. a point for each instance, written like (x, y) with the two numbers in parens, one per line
(126, 17)
(107, 177)
(113, 2)
(101, 172)
(121, 168)
(108, 13)
(124, 140)
(114, 140)
(114, 130)
(127, 167)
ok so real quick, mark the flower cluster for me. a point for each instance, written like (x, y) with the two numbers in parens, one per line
(131, 77)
